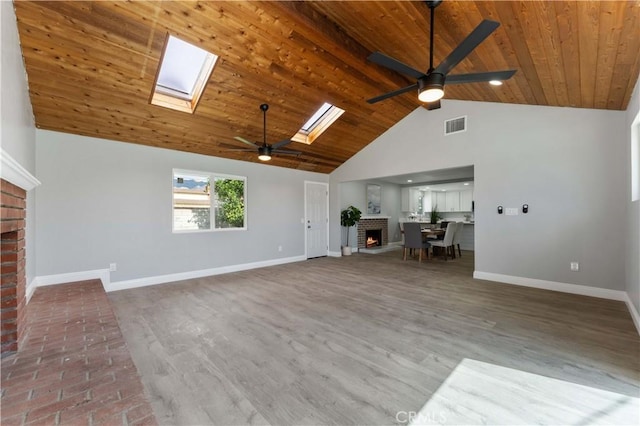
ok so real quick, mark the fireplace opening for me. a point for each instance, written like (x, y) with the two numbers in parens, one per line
(373, 237)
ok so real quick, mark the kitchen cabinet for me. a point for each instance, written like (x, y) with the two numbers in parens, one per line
(447, 202)
(466, 198)
(410, 199)
(452, 201)
(439, 200)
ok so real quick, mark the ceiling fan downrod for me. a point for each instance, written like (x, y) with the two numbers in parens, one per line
(264, 108)
(432, 4)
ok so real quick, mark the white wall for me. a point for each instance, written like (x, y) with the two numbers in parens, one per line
(355, 194)
(633, 211)
(17, 128)
(105, 202)
(566, 163)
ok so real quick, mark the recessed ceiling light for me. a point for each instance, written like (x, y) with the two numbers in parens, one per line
(409, 180)
(495, 83)
(466, 184)
(444, 190)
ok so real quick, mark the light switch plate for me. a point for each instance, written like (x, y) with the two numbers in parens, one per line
(512, 211)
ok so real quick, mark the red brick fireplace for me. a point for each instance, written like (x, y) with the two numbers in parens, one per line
(375, 223)
(12, 266)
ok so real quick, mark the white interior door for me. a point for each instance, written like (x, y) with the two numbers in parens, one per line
(317, 218)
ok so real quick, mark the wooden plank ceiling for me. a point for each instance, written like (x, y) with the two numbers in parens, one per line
(91, 65)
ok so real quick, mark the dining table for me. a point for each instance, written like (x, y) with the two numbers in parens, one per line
(432, 232)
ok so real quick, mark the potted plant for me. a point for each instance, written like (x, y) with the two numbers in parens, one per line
(435, 215)
(348, 218)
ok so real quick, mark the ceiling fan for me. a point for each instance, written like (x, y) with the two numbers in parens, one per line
(431, 84)
(264, 149)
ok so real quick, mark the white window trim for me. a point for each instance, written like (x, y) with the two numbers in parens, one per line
(211, 176)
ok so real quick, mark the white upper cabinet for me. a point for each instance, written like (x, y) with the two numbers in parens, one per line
(466, 198)
(439, 200)
(446, 202)
(453, 201)
(410, 199)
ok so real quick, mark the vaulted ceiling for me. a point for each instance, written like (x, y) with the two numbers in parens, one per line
(91, 65)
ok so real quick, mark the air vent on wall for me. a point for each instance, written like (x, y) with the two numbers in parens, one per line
(455, 125)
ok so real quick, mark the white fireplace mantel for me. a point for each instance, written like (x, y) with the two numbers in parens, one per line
(377, 216)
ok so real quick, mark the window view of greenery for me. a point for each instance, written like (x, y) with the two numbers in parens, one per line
(229, 202)
(195, 200)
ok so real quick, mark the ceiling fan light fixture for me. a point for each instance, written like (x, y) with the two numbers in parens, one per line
(431, 94)
(264, 153)
(495, 82)
(431, 89)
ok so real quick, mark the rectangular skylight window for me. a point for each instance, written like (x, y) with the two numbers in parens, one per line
(183, 75)
(315, 117)
(318, 123)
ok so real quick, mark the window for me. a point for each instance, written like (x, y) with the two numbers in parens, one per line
(318, 123)
(206, 201)
(183, 75)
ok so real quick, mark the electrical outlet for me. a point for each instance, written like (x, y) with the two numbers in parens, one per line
(113, 267)
(512, 211)
(575, 266)
(279, 248)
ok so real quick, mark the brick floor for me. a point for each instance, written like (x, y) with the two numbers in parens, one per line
(73, 366)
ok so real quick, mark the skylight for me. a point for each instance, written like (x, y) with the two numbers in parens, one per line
(183, 75)
(318, 123)
(315, 117)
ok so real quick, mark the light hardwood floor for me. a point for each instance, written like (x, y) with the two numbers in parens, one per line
(355, 340)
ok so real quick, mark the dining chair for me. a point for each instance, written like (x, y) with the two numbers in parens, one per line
(413, 240)
(447, 242)
(456, 238)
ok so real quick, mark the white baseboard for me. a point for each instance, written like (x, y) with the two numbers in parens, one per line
(584, 290)
(603, 293)
(161, 279)
(334, 254)
(633, 311)
(31, 287)
(70, 277)
(105, 276)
